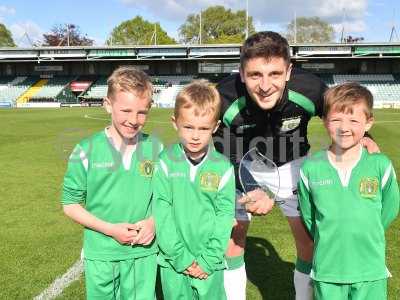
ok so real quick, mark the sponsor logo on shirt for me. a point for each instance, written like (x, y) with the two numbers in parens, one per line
(177, 174)
(146, 168)
(290, 124)
(103, 165)
(246, 126)
(322, 182)
(369, 187)
(209, 181)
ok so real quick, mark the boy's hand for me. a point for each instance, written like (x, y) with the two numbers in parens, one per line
(123, 232)
(146, 232)
(257, 202)
(195, 271)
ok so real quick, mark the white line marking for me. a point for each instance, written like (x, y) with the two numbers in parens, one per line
(60, 283)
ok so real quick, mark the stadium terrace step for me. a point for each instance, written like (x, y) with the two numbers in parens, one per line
(25, 97)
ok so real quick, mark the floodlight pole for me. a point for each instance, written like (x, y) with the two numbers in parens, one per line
(295, 27)
(247, 19)
(200, 29)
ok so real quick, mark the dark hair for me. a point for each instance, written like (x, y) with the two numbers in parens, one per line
(266, 44)
(342, 97)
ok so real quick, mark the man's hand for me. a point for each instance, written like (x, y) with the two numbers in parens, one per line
(146, 232)
(123, 232)
(257, 202)
(195, 271)
(370, 144)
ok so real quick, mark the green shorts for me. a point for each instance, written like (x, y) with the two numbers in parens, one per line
(126, 279)
(180, 286)
(366, 290)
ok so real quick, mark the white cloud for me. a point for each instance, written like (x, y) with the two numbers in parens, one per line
(26, 32)
(271, 14)
(6, 10)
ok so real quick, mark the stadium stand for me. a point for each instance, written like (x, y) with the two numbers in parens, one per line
(384, 87)
(51, 89)
(14, 89)
(165, 89)
(97, 91)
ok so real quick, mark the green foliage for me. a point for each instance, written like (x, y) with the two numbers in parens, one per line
(138, 31)
(6, 39)
(310, 30)
(218, 26)
(66, 35)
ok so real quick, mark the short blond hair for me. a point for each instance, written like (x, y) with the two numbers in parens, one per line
(343, 96)
(129, 79)
(200, 94)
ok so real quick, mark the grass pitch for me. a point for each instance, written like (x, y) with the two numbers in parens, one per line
(38, 243)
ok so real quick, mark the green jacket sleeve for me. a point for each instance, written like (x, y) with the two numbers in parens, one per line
(74, 186)
(307, 208)
(390, 197)
(173, 250)
(212, 257)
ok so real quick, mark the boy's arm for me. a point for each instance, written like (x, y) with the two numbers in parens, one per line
(390, 197)
(123, 232)
(213, 254)
(168, 239)
(74, 194)
(307, 208)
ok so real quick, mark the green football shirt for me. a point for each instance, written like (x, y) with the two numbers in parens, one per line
(194, 209)
(347, 216)
(112, 189)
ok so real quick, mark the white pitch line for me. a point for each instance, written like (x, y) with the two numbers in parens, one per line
(94, 118)
(60, 283)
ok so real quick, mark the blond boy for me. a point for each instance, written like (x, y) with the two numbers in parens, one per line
(348, 198)
(194, 194)
(107, 189)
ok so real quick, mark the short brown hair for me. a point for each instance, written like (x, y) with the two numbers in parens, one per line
(343, 96)
(129, 79)
(202, 95)
(266, 44)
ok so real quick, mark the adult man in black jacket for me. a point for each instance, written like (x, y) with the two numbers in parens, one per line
(269, 105)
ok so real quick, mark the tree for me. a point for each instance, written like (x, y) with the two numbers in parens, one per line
(6, 39)
(310, 30)
(218, 26)
(66, 35)
(138, 31)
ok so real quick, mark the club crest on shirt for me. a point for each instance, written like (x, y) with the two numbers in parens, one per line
(290, 124)
(209, 181)
(369, 187)
(146, 168)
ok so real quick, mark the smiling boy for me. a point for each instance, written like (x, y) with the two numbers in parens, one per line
(107, 189)
(348, 198)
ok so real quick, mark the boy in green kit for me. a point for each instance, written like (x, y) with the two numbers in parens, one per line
(348, 198)
(108, 188)
(194, 192)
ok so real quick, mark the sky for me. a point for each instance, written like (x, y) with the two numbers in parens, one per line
(372, 20)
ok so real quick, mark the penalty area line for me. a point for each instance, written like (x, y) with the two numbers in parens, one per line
(62, 282)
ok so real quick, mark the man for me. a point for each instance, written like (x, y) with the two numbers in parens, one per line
(268, 105)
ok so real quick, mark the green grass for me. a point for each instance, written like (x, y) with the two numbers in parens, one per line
(38, 243)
